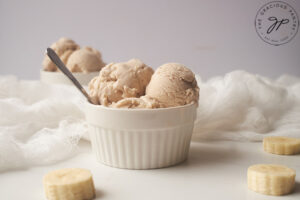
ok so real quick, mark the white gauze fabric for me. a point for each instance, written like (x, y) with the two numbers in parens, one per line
(243, 106)
(39, 123)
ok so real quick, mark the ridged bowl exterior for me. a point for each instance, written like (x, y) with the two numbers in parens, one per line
(140, 139)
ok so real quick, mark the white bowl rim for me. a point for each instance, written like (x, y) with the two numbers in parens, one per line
(140, 109)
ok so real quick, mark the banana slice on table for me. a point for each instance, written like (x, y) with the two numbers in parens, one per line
(282, 145)
(271, 179)
(69, 184)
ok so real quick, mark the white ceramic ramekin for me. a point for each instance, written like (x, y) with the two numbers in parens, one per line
(140, 138)
(60, 78)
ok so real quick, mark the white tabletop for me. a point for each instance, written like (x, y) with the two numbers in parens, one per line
(214, 170)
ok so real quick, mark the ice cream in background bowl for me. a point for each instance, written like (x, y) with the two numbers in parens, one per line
(64, 47)
(85, 60)
(85, 63)
(142, 119)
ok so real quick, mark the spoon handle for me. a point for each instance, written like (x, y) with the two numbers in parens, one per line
(57, 61)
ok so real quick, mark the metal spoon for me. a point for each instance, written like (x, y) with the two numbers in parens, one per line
(57, 61)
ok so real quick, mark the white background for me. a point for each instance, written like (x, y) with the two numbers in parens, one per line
(210, 36)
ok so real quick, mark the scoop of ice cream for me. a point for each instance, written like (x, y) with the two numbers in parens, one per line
(118, 81)
(142, 102)
(64, 47)
(86, 59)
(172, 85)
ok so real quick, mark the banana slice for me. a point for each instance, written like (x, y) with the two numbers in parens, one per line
(271, 179)
(282, 145)
(69, 184)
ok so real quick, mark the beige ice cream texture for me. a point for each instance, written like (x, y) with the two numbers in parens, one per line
(133, 84)
(76, 59)
(118, 81)
(172, 85)
(86, 60)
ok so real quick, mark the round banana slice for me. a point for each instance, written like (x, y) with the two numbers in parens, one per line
(69, 184)
(271, 179)
(282, 145)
